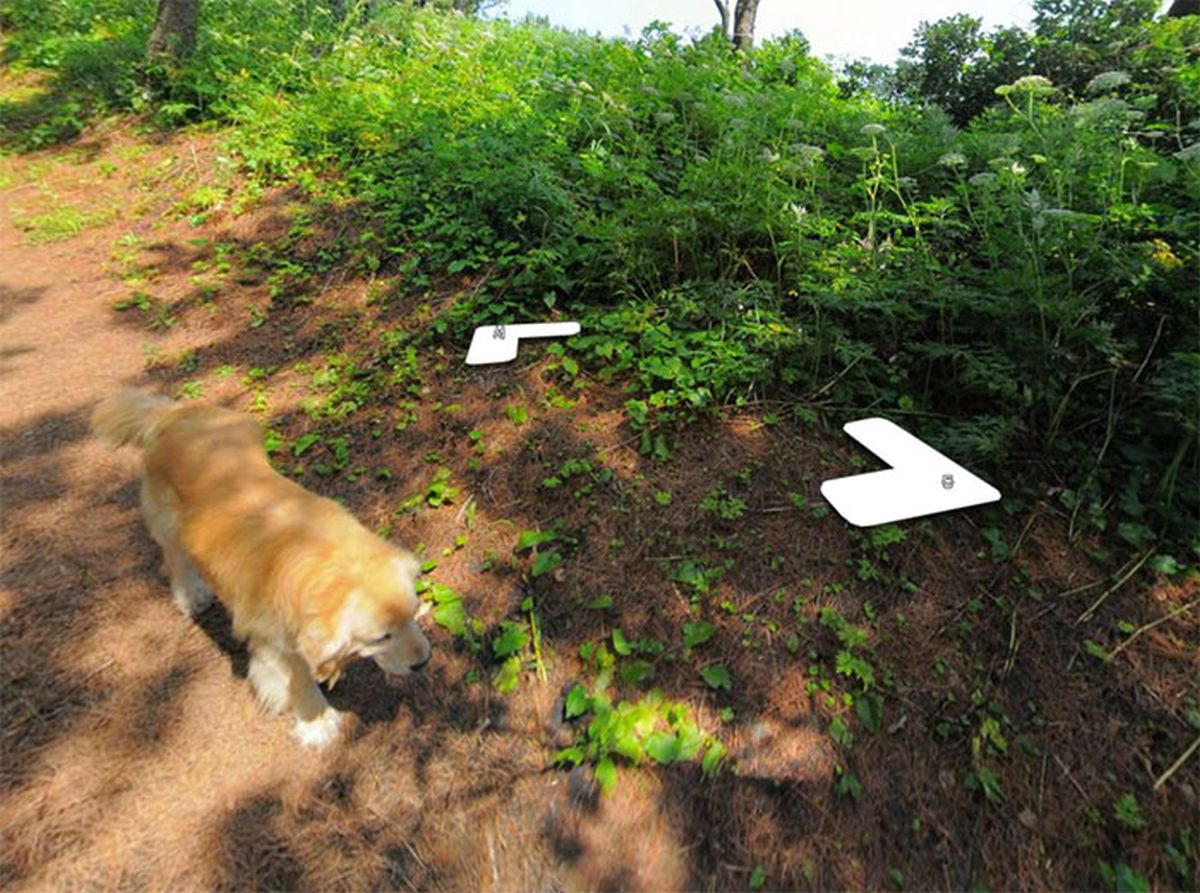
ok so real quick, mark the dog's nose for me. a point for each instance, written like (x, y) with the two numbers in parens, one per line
(416, 667)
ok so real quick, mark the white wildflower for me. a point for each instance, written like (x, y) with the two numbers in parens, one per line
(1108, 80)
(872, 129)
(953, 160)
(809, 154)
(1032, 83)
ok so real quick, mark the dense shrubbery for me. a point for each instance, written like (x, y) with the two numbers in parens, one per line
(728, 226)
(956, 65)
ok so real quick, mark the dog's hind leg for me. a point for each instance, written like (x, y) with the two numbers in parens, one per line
(188, 590)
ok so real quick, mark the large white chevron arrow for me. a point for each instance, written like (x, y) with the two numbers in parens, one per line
(920, 482)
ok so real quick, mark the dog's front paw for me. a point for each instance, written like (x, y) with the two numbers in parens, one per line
(319, 732)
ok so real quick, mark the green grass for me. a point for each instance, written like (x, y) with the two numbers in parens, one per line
(62, 222)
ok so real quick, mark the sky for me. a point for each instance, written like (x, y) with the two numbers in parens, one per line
(875, 29)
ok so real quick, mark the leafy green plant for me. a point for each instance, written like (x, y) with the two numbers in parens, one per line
(516, 645)
(1123, 879)
(695, 574)
(847, 784)
(450, 613)
(650, 728)
(1127, 812)
(723, 505)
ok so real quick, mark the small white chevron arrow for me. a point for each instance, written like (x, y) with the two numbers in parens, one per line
(498, 344)
(920, 482)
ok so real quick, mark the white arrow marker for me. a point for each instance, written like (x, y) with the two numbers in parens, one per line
(498, 344)
(920, 482)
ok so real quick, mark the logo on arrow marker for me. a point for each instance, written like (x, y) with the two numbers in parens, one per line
(920, 482)
(498, 344)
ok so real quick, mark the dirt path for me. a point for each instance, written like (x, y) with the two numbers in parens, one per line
(133, 756)
(101, 783)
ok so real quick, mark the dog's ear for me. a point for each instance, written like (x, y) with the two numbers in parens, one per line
(409, 566)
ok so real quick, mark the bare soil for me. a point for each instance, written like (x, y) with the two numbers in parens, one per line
(131, 753)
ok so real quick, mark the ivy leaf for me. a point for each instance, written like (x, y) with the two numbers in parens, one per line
(628, 744)
(697, 633)
(513, 639)
(717, 677)
(849, 664)
(870, 712)
(985, 779)
(303, 443)
(840, 733)
(606, 774)
(635, 672)
(713, 755)
(572, 755)
(545, 562)
(451, 615)
(530, 538)
(849, 785)
(620, 643)
(508, 676)
(663, 748)
(577, 702)
(1164, 564)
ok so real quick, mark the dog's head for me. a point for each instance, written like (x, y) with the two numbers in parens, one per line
(369, 611)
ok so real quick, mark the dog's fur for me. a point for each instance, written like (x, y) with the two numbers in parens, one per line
(307, 587)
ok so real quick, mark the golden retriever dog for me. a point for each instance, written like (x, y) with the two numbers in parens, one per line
(307, 587)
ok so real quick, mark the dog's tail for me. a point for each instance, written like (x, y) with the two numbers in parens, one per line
(130, 417)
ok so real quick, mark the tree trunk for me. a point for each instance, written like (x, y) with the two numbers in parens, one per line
(174, 35)
(723, 9)
(743, 24)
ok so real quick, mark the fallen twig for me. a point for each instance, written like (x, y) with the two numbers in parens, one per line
(1070, 777)
(1149, 626)
(1086, 615)
(1162, 779)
